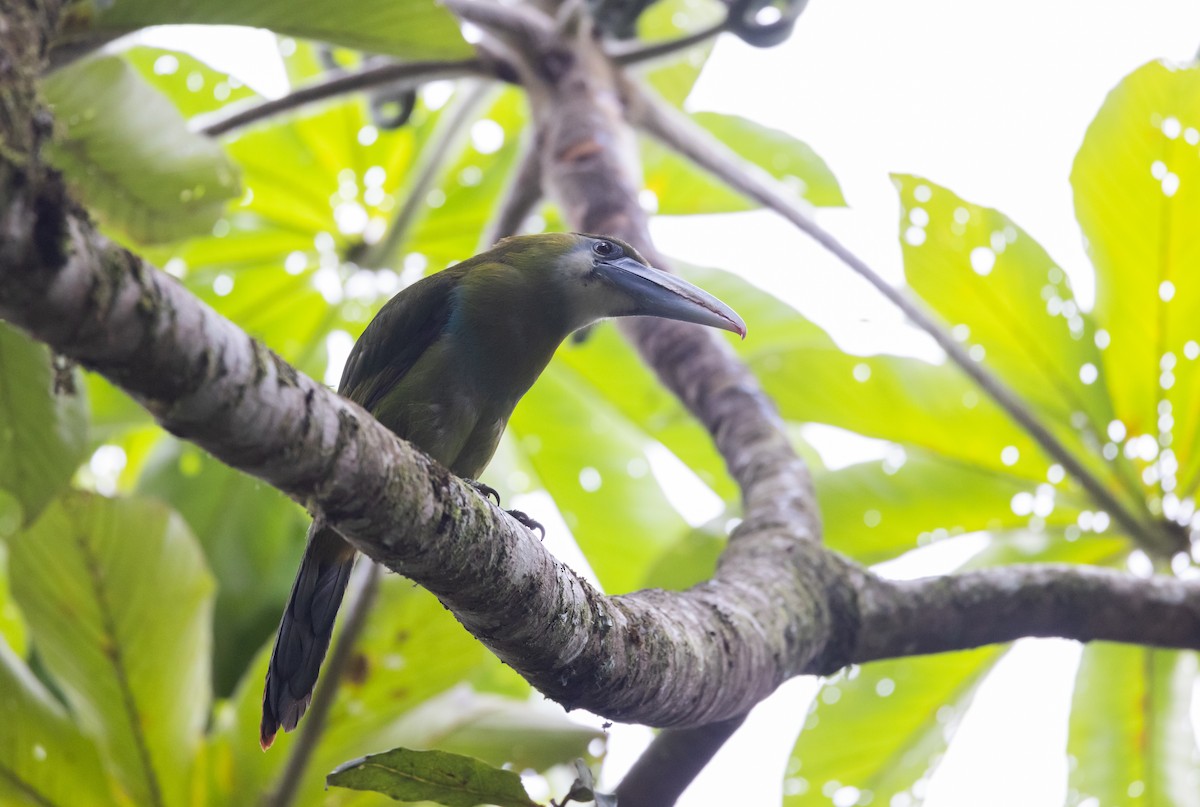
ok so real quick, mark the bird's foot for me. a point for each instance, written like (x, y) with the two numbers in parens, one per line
(486, 491)
(489, 492)
(528, 523)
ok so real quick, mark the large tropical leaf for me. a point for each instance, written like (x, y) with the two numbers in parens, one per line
(130, 155)
(43, 430)
(118, 601)
(1137, 196)
(252, 537)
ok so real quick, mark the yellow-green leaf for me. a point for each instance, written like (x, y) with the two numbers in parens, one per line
(118, 602)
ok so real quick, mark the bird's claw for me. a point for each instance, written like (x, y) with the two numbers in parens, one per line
(528, 523)
(486, 491)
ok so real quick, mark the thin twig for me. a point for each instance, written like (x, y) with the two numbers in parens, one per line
(522, 195)
(672, 762)
(678, 132)
(445, 140)
(641, 53)
(400, 75)
(288, 782)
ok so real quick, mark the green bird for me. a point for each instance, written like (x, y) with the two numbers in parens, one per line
(442, 365)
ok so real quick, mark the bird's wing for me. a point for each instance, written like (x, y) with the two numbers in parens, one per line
(405, 328)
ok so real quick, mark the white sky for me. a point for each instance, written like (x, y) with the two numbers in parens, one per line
(991, 100)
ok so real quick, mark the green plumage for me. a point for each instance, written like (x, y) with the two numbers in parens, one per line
(442, 365)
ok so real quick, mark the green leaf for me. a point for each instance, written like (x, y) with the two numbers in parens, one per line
(118, 602)
(412, 29)
(685, 189)
(523, 733)
(1013, 308)
(1137, 197)
(921, 405)
(44, 758)
(450, 779)
(989, 280)
(12, 624)
(410, 653)
(190, 84)
(670, 19)
(592, 461)
(252, 537)
(1131, 736)
(690, 560)
(881, 728)
(130, 155)
(874, 511)
(43, 433)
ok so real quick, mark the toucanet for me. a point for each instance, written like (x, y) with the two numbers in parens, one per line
(442, 365)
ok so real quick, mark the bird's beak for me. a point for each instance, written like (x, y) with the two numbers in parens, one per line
(658, 294)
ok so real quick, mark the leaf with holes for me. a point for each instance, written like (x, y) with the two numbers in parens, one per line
(43, 431)
(449, 779)
(118, 602)
(1131, 735)
(131, 157)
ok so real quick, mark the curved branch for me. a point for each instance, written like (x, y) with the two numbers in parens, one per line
(403, 75)
(678, 132)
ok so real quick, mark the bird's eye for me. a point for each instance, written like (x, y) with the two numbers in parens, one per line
(604, 249)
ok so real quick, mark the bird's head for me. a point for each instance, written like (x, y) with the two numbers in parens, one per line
(599, 277)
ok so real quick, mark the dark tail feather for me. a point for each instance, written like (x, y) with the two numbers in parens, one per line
(304, 631)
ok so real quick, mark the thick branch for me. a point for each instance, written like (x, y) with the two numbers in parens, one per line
(680, 134)
(404, 75)
(936, 614)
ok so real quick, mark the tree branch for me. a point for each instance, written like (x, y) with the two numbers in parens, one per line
(673, 760)
(677, 132)
(404, 75)
(955, 612)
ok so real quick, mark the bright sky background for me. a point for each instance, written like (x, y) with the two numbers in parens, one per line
(990, 100)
